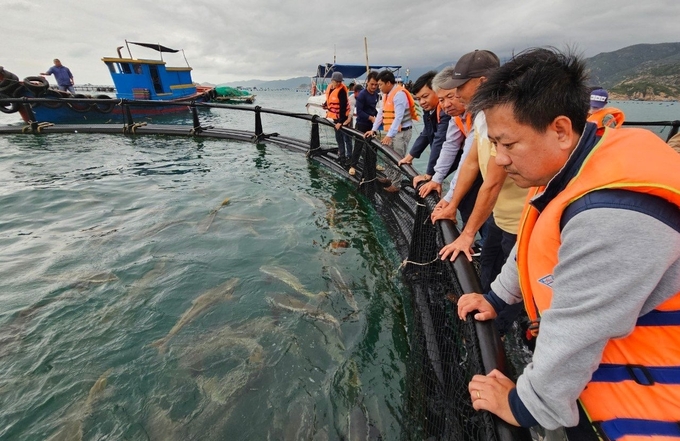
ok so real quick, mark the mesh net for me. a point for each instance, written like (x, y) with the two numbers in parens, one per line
(445, 352)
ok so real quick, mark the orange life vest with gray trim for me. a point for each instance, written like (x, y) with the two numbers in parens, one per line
(388, 108)
(333, 102)
(464, 127)
(634, 394)
(607, 117)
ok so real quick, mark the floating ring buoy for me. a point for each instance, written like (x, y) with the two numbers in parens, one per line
(9, 107)
(105, 107)
(36, 85)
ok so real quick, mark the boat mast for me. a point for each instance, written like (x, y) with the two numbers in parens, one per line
(368, 69)
(185, 58)
(128, 48)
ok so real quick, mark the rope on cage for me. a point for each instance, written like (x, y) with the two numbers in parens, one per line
(406, 261)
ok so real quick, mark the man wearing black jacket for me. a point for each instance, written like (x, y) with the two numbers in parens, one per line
(366, 103)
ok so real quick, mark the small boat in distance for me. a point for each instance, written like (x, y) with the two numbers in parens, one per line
(233, 95)
(324, 72)
(134, 79)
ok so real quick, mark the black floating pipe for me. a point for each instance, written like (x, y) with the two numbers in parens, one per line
(194, 114)
(127, 114)
(314, 140)
(258, 122)
(490, 345)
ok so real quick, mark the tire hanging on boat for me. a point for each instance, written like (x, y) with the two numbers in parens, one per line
(9, 107)
(80, 107)
(36, 85)
(8, 87)
(51, 94)
(104, 107)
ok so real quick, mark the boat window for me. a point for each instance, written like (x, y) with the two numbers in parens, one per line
(125, 68)
(138, 68)
(111, 67)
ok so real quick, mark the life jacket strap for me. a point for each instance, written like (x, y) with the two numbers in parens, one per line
(642, 375)
(620, 427)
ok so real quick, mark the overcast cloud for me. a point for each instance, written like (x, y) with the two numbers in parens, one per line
(229, 40)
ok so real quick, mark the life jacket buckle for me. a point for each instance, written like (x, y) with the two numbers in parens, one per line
(640, 374)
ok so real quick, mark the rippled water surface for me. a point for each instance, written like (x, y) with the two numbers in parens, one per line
(108, 242)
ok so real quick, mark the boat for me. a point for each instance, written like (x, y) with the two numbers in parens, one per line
(233, 95)
(138, 82)
(320, 81)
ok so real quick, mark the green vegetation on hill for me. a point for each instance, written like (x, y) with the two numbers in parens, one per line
(642, 71)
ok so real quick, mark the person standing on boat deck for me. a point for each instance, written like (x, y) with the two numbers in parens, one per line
(597, 261)
(601, 114)
(397, 116)
(499, 201)
(337, 105)
(366, 110)
(436, 123)
(62, 75)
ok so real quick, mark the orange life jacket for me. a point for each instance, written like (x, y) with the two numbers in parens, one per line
(388, 108)
(607, 117)
(333, 102)
(439, 112)
(636, 160)
(464, 127)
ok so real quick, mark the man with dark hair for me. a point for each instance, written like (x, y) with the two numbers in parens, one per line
(436, 122)
(397, 115)
(597, 261)
(499, 200)
(366, 111)
(62, 75)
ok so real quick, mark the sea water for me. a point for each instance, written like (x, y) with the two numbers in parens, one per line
(107, 241)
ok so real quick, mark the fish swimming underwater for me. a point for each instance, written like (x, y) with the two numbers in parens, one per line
(293, 305)
(339, 283)
(287, 278)
(198, 306)
(204, 226)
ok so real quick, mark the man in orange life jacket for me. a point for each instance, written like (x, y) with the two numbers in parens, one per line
(397, 115)
(597, 261)
(601, 114)
(337, 105)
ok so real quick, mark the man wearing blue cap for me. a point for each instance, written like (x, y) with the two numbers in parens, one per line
(601, 114)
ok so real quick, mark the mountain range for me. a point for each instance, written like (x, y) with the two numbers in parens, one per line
(641, 72)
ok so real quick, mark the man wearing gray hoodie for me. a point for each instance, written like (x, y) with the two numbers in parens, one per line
(597, 261)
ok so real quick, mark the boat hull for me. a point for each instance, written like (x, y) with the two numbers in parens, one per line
(114, 112)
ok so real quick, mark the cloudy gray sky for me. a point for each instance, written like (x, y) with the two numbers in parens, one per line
(229, 40)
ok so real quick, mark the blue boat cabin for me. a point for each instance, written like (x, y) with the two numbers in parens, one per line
(149, 79)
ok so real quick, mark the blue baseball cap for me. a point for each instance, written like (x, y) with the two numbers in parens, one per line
(598, 98)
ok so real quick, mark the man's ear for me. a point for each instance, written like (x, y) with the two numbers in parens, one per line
(564, 132)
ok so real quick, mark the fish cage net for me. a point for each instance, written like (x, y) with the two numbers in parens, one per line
(445, 351)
